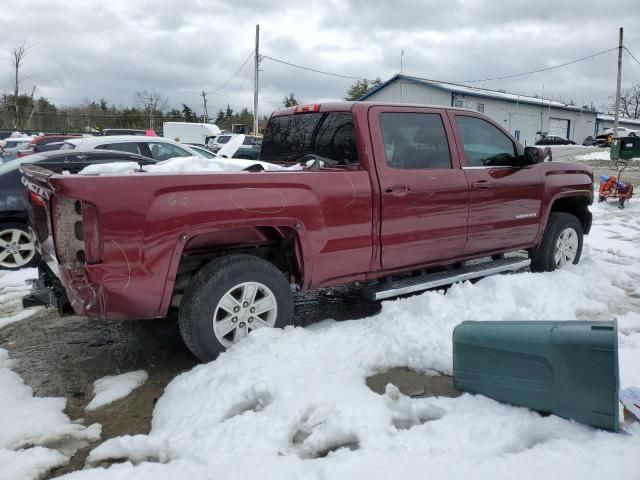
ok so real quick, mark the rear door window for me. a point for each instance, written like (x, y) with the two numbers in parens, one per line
(131, 147)
(164, 151)
(415, 140)
(329, 136)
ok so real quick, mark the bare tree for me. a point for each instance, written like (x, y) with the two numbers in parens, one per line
(17, 61)
(152, 102)
(630, 102)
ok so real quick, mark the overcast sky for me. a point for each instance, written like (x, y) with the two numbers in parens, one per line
(87, 49)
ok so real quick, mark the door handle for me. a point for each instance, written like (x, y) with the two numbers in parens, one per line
(481, 184)
(397, 190)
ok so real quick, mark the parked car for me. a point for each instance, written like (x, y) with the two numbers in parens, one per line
(623, 132)
(382, 194)
(46, 143)
(17, 249)
(218, 142)
(158, 148)
(123, 131)
(554, 140)
(202, 151)
(12, 146)
(250, 149)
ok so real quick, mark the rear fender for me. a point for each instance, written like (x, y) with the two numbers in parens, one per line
(237, 235)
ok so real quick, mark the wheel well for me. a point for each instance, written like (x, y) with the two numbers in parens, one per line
(278, 245)
(577, 206)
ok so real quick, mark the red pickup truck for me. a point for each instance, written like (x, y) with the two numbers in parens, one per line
(401, 198)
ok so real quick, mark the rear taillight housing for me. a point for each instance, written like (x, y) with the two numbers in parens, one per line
(76, 231)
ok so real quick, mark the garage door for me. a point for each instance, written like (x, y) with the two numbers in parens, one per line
(559, 127)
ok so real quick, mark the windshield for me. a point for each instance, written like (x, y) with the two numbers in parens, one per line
(329, 136)
(67, 146)
(223, 139)
(202, 152)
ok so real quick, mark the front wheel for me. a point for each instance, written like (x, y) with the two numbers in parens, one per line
(561, 243)
(228, 299)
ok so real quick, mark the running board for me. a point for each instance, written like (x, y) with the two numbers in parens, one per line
(425, 282)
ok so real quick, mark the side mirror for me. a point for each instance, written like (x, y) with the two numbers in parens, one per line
(533, 155)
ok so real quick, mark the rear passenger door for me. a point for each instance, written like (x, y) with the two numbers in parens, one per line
(504, 199)
(423, 190)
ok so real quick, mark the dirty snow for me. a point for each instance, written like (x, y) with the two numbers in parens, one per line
(108, 389)
(13, 287)
(35, 434)
(293, 403)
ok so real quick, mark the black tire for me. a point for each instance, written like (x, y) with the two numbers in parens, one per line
(203, 295)
(543, 257)
(21, 226)
(601, 198)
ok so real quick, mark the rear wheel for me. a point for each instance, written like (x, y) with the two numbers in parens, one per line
(561, 243)
(228, 299)
(17, 246)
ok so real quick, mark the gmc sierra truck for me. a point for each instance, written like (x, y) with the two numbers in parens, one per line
(400, 198)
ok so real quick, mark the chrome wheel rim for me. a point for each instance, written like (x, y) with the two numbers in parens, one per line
(244, 308)
(566, 247)
(17, 248)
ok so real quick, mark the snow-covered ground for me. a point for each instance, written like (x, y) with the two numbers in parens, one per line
(12, 289)
(274, 405)
(293, 403)
(600, 155)
(35, 434)
(108, 389)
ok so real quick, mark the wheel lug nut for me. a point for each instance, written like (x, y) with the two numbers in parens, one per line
(236, 309)
(252, 309)
(241, 324)
(250, 319)
(234, 319)
(245, 304)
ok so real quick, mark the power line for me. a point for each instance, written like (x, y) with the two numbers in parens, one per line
(312, 69)
(540, 69)
(629, 52)
(234, 75)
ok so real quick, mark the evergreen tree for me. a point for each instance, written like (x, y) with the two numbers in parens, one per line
(289, 101)
(361, 87)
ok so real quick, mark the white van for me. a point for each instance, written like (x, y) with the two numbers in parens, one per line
(185, 132)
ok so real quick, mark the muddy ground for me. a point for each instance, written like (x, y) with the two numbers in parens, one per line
(62, 357)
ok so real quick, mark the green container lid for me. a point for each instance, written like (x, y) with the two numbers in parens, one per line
(566, 368)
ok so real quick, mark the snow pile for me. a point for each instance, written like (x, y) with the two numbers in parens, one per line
(114, 387)
(13, 287)
(35, 434)
(114, 168)
(602, 155)
(293, 403)
(184, 165)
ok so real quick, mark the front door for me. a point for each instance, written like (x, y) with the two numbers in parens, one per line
(504, 199)
(424, 192)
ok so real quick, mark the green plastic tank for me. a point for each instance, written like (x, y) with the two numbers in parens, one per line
(566, 368)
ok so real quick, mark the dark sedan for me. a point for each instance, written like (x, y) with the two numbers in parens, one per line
(17, 248)
(554, 140)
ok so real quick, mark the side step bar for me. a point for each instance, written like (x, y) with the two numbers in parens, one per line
(425, 282)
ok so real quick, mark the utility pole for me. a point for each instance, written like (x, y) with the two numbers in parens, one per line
(617, 113)
(204, 100)
(255, 82)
